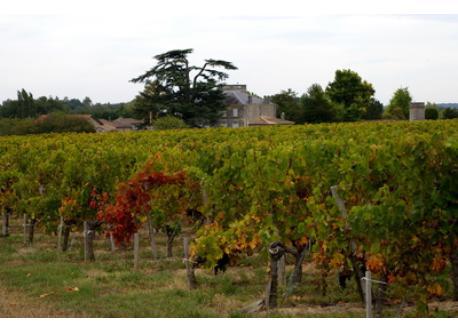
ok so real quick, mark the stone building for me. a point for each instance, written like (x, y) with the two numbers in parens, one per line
(244, 109)
(417, 111)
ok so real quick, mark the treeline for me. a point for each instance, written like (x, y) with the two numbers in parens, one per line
(348, 98)
(192, 96)
(26, 106)
(29, 115)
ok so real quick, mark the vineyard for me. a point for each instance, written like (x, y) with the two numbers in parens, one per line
(278, 216)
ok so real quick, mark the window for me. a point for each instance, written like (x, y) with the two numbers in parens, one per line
(235, 112)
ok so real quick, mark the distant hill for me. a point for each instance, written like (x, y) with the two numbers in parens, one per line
(447, 105)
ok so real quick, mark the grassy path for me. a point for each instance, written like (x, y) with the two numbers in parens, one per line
(14, 304)
(43, 282)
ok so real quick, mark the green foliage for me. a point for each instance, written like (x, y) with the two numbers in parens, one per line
(27, 107)
(52, 123)
(99, 110)
(431, 112)
(192, 92)
(169, 122)
(350, 91)
(398, 181)
(347, 98)
(145, 104)
(11, 126)
(399, 106)
(374, 110)
(450, 113)
(59, 123)
(317, 106)
(288, 104)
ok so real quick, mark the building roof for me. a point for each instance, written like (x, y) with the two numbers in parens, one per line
(126, 122)
(263, 120)
(417, 105)
(240, 96)
(104, 125)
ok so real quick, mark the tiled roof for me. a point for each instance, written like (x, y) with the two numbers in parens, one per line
(417, 105)
(242, 97)
(263, 120)
(126, 122)
(104, 125)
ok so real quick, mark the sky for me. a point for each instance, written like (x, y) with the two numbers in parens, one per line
(93, 48)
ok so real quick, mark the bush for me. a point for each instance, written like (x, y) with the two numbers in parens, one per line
(53, 123)
(169, 122)
(449, 113)
(63, 123)
(394, 113)
(431, 113)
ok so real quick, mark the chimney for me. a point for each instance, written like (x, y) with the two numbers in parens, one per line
(250, 99)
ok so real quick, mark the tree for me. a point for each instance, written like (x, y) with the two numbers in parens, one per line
(23, 107)
(27, 107)
(317, 106)
(87, 101)
(350, 91)
(374, 110)
(145, 104)
(449, 113)
(288, 104)
(399, 106)
(431, 111)
(191, 92)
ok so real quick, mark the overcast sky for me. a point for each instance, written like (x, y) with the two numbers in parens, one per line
(92, 52)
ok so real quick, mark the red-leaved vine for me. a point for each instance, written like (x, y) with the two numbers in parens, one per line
(132, 201)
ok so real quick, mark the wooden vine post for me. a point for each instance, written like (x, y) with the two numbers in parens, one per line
(136, 249)
(24, 220)
(192, 282)
(276, 252)
(59, 232)
(152, 238)
(6, 222)
(29, 230)
(368, 293)
(112, 242)
(85, 241)
(90, 228)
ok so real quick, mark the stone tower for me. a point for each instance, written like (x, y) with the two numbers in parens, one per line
(417, 111)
